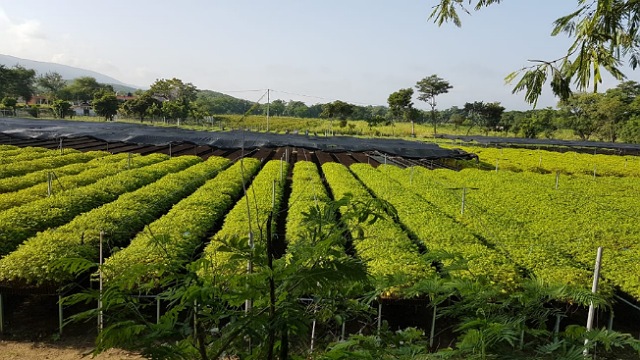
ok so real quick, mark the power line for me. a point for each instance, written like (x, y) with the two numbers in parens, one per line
(323, 98)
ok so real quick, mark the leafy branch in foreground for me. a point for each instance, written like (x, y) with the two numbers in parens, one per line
(206, 318)
(603, 32)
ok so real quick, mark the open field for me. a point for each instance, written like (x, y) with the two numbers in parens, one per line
(540, 215)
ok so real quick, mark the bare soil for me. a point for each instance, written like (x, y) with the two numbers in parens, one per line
(67, 349)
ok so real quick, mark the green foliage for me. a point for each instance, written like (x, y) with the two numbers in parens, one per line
(532, 123)
(205, 320)
(84, 88)
(400, 104)
(165, 246)
(438, 232)
(52, 83)
(337, 109)
(139, 106)
(379, 241)
(96, 169)
(250, 215)
(42, 258)
(106, 104)
(16, 183)
(22, 222)
(60, 108)
(16, 82)
(603, 31)
(486, 116)
(52, 161)
(429, 88)
(630, 132)
(307, 192)
(28, 154)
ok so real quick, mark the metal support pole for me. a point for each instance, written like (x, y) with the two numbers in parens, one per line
(497, 165)
(344, 328)
(100, 315)
(129, 162)
(273, 196)
(61, 150)
(1, 315)
(540, 162)
(379, 317)
(248, 303)
(433, 326)
(464, 200)
(60, 314)
(268, 103)
(195, 319)
(557, 179)
(281, 170)
(556, 328)
(170, 150)
(594, 171)
(594, 289)
(411, 176)
(49, 184)
(611, 316)
(313, 334)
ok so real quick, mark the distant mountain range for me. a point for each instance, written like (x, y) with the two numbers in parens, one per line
(67, 72)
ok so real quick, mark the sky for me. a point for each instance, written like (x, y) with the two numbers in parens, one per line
(358, 51)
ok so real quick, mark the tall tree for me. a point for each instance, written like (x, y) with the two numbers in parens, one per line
(487, 116)
(401, 105)
(173, 90)
(428, 89)
(139, 106)
(603, 31)
(176, 97)
(296, 109)
(52, 82)
(84, 88)
(17, 82)
(581, 113)
(60, 108)
(337, 109)
(106, 104)
(277, 107)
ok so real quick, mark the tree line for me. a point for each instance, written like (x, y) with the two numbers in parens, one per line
(613, 115)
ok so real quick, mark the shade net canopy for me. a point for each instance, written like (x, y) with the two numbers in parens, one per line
(155, 135)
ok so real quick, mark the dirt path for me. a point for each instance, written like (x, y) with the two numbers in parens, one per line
(69, 349)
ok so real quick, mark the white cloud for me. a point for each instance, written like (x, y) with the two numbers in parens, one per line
(19, 37)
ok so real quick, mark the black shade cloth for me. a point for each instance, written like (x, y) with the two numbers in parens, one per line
(143, 134)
